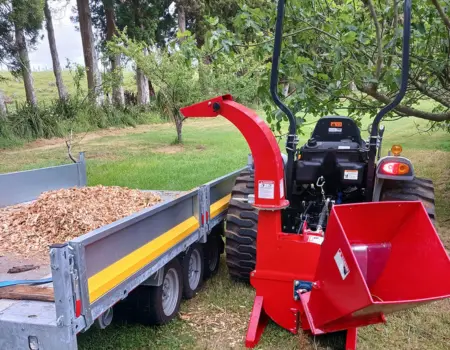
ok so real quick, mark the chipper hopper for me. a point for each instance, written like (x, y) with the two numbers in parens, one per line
(330, 238)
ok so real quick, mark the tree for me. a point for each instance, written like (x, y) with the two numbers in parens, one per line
(20, 21)
(117, 89)
(346, 55)
(90, 56)
(2, 106)
(173, 74)
(62, 92)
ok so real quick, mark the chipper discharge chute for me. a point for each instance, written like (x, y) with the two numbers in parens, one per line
(334, 236)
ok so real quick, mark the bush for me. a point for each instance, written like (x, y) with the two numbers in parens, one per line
(59, 118)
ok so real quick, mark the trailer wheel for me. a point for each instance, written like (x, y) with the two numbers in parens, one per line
(241, 229)
(164, 300)
(416, 190)
(193, 267)
(214, 247)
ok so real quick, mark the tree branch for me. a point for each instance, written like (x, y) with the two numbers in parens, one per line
(373, 14)
(412, 112)
(444, 17)
(430, 94)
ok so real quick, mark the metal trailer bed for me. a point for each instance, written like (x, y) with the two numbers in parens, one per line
(95, 271)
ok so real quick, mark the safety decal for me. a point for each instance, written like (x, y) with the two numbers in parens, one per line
(350, 174)
(334, 130)
(341, 264)
(266, 189)
(281, 188)
(315, 239)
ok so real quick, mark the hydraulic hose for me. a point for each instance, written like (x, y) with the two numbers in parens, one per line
(291, 141)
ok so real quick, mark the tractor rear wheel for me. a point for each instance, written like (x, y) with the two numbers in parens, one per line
(416, 190)
(241, 229)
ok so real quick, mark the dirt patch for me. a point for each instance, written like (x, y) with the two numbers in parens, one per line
(44, 144)
(200, 147)
(169, 149)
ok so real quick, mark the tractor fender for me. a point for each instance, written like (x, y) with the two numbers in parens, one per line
(380, 176)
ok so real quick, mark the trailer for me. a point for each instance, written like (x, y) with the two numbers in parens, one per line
(155, 248)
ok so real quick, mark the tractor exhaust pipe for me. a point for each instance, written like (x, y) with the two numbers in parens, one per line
(291, 142)
(388, 108)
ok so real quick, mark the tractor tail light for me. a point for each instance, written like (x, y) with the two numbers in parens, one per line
(395, 168)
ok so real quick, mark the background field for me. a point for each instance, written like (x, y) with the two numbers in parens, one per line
(143, 157)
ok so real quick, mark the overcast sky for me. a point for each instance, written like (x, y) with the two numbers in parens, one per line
(68, 42)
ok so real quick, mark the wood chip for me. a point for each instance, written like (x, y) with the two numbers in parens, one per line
(59, 216)
(23, 268)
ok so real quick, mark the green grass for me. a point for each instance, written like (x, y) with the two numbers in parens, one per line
(44, 83)
(143, 157)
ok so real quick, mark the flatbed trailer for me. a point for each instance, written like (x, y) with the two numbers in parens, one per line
(92, 273)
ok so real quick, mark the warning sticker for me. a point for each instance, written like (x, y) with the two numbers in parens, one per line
(343, 147)
(335, 130)
(266, 189)
(341, 264)
(350, 174)
(281, 188)
(315, 239)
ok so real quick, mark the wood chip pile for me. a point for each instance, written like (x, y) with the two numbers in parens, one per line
(59, 216)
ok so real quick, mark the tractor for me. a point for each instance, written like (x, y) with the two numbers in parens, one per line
(327, 234)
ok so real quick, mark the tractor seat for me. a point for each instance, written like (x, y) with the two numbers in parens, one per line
(337, 129)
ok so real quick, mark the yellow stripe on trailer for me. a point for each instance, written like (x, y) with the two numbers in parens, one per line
(116, 273)
(219, 206)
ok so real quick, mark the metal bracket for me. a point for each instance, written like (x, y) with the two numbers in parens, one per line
(204, 210)
(82, 289)
(301, 287)
(61, 266)
(156, 279)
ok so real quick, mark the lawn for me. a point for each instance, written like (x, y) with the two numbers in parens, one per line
(145, 158)
(44, 84)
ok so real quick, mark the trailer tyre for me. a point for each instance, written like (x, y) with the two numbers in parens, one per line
(418, 189)
(164, 300)
(241, 229)
(214, 247)
(193, 267)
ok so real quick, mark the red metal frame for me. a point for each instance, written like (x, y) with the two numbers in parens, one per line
(347, 284)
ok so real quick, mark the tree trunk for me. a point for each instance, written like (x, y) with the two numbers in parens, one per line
(151, 90)
(2, 106)
(62, 92)
(181, 18)
(25, 67)
(117, 89)
(87, 39)
(142, 87)
(179, 126)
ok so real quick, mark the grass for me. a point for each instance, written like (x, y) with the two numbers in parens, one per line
(45, 87)
(143, 157)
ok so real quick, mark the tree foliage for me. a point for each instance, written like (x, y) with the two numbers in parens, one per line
(26, 15)
(344, 56)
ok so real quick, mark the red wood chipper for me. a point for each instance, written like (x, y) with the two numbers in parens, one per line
(333, 237)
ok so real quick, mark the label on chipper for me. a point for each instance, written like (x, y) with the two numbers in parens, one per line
(341, 264)
(350, 174)
(281, 188)
(266, 189)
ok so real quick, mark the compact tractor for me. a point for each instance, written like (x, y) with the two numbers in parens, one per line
(332, 236)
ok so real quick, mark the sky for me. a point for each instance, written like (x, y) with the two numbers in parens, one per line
(68, 41)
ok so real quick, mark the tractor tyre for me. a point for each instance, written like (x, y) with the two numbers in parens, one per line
(416, 190)
(241, 229)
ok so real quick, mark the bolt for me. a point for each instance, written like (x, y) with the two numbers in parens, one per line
(296, 283)
(295, 297)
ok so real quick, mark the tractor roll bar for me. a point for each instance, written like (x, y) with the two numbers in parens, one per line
(395, 102)
(291, 142)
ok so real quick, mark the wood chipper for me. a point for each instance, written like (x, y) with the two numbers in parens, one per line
(332, 237)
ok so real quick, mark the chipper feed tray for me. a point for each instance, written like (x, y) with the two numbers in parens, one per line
(370, 268)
